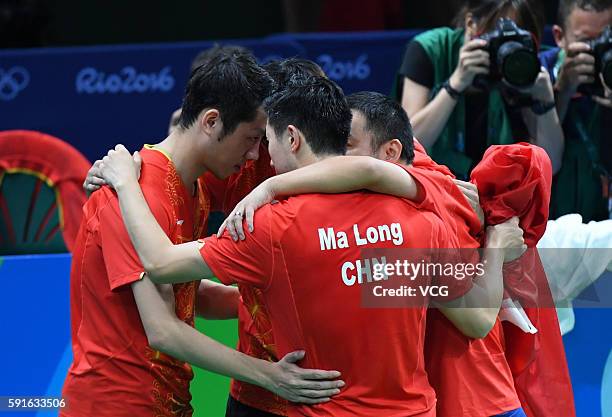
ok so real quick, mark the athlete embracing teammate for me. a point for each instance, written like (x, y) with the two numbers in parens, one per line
(380, 352)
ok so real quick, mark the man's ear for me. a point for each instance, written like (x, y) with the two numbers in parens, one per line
(391, 151)
(559, 36)
(210, 120)
(295, 138)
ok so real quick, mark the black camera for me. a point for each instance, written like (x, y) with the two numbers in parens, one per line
(601, 49)
(513, 57)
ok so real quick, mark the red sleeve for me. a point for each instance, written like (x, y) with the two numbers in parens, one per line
(120, 258)
(244, 262)
(459, 280)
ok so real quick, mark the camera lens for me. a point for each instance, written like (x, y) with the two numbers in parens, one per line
(606, 68)
(518, 65)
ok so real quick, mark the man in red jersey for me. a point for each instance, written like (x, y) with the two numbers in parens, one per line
(292, 268)
(471, 377)
(221, 195)
(120, 324)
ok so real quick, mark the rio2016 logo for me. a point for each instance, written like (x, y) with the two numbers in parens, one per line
(12, 82)
(349, 70)
(91, 81)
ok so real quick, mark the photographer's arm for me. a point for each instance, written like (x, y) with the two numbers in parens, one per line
(429, 118)
(545, 129)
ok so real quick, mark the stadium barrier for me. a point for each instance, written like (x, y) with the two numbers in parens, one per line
(35, 307)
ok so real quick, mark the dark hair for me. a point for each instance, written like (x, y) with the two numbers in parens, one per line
(566, 7)
(230, 81)
(385, 120)
(529, 14)
(204, 56)
(282, 70)
(316, 106)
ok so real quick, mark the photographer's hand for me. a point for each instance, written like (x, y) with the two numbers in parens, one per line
(473, 60)
(607, 99)
(577, 68)
(542, 89)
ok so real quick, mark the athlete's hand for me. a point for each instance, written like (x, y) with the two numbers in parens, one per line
(119, 167)
(473, 60)
(470, 192)
(260, 196)
(507, 236)
(307, 386)
(94, 180)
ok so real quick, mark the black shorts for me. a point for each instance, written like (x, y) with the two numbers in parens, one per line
(236, 409)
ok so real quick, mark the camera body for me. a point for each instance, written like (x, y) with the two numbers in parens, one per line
(601, 49)
(513, 57)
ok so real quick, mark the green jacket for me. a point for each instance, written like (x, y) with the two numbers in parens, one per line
(442, 45)
(579, 185)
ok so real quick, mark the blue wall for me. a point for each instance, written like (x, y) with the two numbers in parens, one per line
(34, 306)
(96, 97)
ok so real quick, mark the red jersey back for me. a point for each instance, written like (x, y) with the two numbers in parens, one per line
(300, 255)
(486, 385)
(114, 371)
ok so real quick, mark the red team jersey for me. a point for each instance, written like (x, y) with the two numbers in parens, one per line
(255, 336)
(379, 351)
(471, 377)
(114, 372)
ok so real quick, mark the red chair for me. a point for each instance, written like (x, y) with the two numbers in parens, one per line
(41, 194)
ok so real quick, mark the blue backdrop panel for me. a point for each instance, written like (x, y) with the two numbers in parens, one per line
(35, 324)
(356, 61)
(96, 97)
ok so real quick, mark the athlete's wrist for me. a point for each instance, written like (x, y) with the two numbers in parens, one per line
(272, 186)
(262, 374)
(125, 184)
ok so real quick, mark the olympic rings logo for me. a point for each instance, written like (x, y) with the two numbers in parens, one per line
(12, 82)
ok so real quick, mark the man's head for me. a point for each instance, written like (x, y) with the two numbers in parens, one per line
(308, 120)
(207, 54)
(581, 20)
(222, 109)
(200, 59)
(380, 128)
(282, 70)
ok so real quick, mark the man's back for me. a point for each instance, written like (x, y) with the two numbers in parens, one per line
(487, 388)
(309, 254)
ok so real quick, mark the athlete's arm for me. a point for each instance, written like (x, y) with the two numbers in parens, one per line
(338, 174)
(216, 301)
(166, 333)
(475, 313)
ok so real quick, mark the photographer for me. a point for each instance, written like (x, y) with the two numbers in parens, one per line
(457, 121)
(582, 184)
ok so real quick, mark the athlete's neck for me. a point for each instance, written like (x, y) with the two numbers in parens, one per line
(308, 158)
(179, 147)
